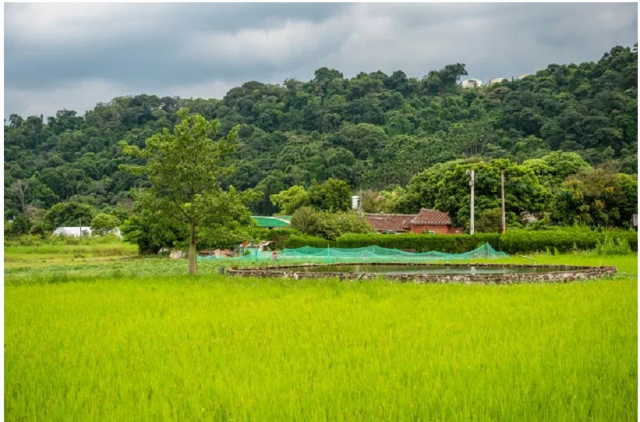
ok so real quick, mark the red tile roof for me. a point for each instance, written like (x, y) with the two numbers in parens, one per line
(390, 222)
(431, 217)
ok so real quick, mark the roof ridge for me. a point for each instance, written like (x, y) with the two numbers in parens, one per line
(432, 217)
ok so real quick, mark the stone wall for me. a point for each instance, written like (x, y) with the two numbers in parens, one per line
(557, 274)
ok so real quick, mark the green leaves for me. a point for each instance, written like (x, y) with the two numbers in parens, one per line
(184, 167)
(371, 131)
(291, 199)
(68, 214)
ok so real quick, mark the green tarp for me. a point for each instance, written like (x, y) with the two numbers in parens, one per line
(271, 222)
(366, 254)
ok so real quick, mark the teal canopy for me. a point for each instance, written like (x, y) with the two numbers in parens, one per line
(365, 254)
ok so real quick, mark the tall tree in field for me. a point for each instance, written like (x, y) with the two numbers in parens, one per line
(184, 168)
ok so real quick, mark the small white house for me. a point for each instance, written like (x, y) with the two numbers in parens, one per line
(72, 231)
(495, 81)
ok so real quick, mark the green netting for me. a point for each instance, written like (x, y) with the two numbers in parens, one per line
(366, 254)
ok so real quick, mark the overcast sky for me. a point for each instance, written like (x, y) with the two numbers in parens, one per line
(75, 55)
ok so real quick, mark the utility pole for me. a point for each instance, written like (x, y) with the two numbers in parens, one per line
(504, 219)
(472, 173)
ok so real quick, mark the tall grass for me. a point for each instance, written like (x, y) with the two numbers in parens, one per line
(130, 340)
(249, 349)
(610, 246)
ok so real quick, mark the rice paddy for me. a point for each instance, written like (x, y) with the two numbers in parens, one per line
(107, 336)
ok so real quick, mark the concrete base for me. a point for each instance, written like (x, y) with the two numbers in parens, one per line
(555, 274)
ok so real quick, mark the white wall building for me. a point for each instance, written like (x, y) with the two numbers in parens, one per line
(496, 81)
(471, 83)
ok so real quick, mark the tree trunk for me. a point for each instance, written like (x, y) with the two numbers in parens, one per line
(192, 250)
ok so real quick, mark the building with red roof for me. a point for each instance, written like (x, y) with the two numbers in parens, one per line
(430, 221)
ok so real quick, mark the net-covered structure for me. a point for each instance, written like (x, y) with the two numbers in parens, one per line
(310, 254)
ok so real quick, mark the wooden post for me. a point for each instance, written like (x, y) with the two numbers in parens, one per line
(472, 173)
(504, 219)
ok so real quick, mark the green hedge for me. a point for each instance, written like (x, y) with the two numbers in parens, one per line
(512, 242)
(561, 239)
(298, 241)
(419, 242)
(279, 237)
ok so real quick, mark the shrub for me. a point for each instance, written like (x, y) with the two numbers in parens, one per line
(20, 225)
(279, 237)
(298, 241)
(103, 223)
(610, 246)
(328, 225)
(490, 221)
(563, 239)
(419, 242)
(218, 238)
(554, 240)
(333, 225)
(306, 220)
(38, 230)
(68, 214)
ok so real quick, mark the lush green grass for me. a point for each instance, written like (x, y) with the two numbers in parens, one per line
(131, 340)
(63, 254)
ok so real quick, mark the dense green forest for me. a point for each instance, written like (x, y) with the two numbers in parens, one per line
(374, 131)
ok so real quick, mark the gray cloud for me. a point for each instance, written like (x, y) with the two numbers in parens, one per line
(75, 55)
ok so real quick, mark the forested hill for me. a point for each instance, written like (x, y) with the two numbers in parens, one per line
(373, 130)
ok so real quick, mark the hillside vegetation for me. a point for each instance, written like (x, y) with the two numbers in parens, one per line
(374, 131)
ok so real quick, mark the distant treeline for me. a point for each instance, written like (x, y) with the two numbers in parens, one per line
(374, 131)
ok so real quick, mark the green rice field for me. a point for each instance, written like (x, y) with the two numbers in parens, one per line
(99, 334)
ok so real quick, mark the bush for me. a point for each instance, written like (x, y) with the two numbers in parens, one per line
(279, 237)
(219, 238)
(328, 225)
(419, 242)
(333, 225)
(513, 242)
(298, 241)
(68, 214)
(306, 220)
(490, 221)
(20, 225)
(563, 239)
(103, 223)
(38, 230)
(610, 246)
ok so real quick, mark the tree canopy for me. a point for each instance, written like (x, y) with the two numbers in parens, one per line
(183, 169)
(373, 131)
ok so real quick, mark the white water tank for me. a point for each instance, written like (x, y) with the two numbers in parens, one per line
(355, 202)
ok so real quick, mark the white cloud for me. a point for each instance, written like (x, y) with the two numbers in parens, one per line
(206, 49)
(84, 95)
(209, 89)
(275, 46)
(80, 23)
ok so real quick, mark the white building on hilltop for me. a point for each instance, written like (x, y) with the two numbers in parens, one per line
(495, 81)
(471, 83)
(72, 231)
